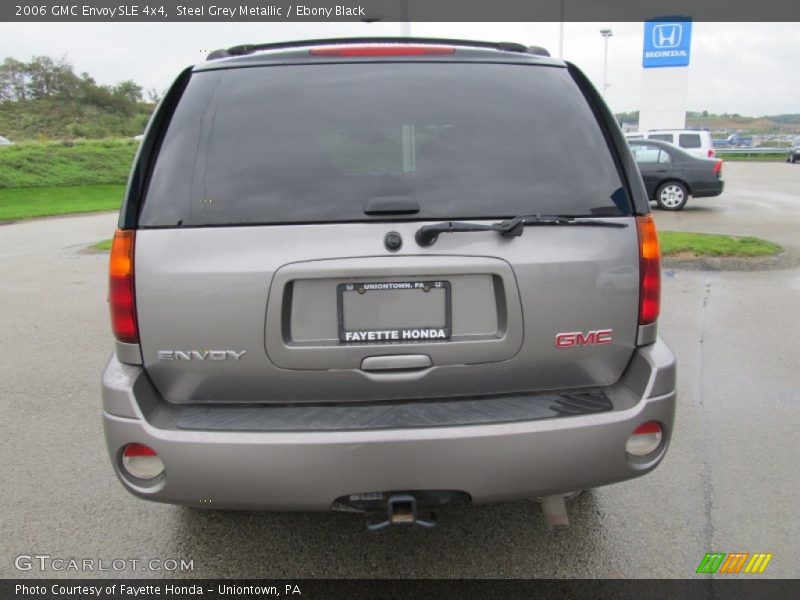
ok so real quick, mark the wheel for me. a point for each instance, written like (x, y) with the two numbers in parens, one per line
(672, 195)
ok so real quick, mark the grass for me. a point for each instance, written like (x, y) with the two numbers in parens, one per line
(683, 243)
(58, 164)
(105, 245)
(780, 157)
(24, 203)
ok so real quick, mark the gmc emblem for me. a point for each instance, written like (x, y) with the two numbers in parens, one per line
(578, 338)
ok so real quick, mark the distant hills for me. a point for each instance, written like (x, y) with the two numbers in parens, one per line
(729, 123)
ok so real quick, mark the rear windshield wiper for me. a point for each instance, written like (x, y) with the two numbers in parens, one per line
(428, 234)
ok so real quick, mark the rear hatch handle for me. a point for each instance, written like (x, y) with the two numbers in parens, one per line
(428, 234)
(396, 362)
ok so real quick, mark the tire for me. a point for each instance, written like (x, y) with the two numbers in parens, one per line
(672, 195)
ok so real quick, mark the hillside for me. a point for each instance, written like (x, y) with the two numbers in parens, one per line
(45, 99)
(58, 164)
(58, 119)
(744, 124)
(768, 124)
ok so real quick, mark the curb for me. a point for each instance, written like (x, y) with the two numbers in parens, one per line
(87, 213)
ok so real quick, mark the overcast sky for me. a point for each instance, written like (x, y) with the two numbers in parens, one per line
(746, 68)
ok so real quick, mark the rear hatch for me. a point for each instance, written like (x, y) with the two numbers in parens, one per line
(267, 262)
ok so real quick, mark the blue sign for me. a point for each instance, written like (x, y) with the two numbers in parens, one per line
(666, 43)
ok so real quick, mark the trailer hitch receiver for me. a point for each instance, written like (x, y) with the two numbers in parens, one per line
(402, 509)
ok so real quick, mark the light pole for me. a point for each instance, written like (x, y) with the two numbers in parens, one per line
(606, 33)
(405, 24)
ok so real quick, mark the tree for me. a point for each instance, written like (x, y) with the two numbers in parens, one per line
(13, 80)
(153, 95)
(48, 78)
(44, 97)
(129, 90)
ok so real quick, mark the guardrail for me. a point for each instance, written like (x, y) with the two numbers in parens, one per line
(752, 150)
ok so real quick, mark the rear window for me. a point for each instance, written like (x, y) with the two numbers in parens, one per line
(689, 140)
(315, 143)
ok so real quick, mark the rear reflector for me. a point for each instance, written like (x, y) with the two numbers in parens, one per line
(649, 270)
(142, 461)
(645, 439)
(381, 50)
(121, 300)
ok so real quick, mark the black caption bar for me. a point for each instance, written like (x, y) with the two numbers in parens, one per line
(396, 10)
(217, 589)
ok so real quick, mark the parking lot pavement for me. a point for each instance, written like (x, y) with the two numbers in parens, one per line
(729, 482)
(761, 199)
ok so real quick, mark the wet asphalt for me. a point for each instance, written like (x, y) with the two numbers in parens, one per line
(729, 482)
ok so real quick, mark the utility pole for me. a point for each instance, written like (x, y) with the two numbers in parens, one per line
(606, 33)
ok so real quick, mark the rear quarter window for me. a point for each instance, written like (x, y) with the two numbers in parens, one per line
(689, 140)
(645, 153)
(314, 143)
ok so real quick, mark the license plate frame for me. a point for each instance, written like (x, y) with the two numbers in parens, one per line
(395, 335)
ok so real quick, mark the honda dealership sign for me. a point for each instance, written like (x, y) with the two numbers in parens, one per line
(666, 43)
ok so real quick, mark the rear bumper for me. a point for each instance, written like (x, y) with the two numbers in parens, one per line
(708, 189)
(308, 470)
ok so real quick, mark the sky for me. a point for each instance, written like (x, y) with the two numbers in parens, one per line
(745, 68)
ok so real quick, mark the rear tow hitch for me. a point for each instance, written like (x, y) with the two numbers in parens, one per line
(402, 509)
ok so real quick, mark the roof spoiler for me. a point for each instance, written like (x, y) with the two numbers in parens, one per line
(245, 49)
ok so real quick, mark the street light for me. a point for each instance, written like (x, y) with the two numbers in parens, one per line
(405, 24)
(606, 33)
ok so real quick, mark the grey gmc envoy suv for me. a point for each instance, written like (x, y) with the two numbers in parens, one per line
(384, 275)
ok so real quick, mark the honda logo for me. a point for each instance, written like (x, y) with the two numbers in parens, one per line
(667, 35)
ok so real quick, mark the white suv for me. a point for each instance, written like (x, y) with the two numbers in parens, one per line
(695, 142)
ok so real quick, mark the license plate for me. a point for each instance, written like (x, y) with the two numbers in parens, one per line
(394, 312)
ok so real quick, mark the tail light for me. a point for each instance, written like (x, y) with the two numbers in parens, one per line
(718, 168)
(382, 50)
(649, 270)
(711, 153)
(121, 299)
(645, 439)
